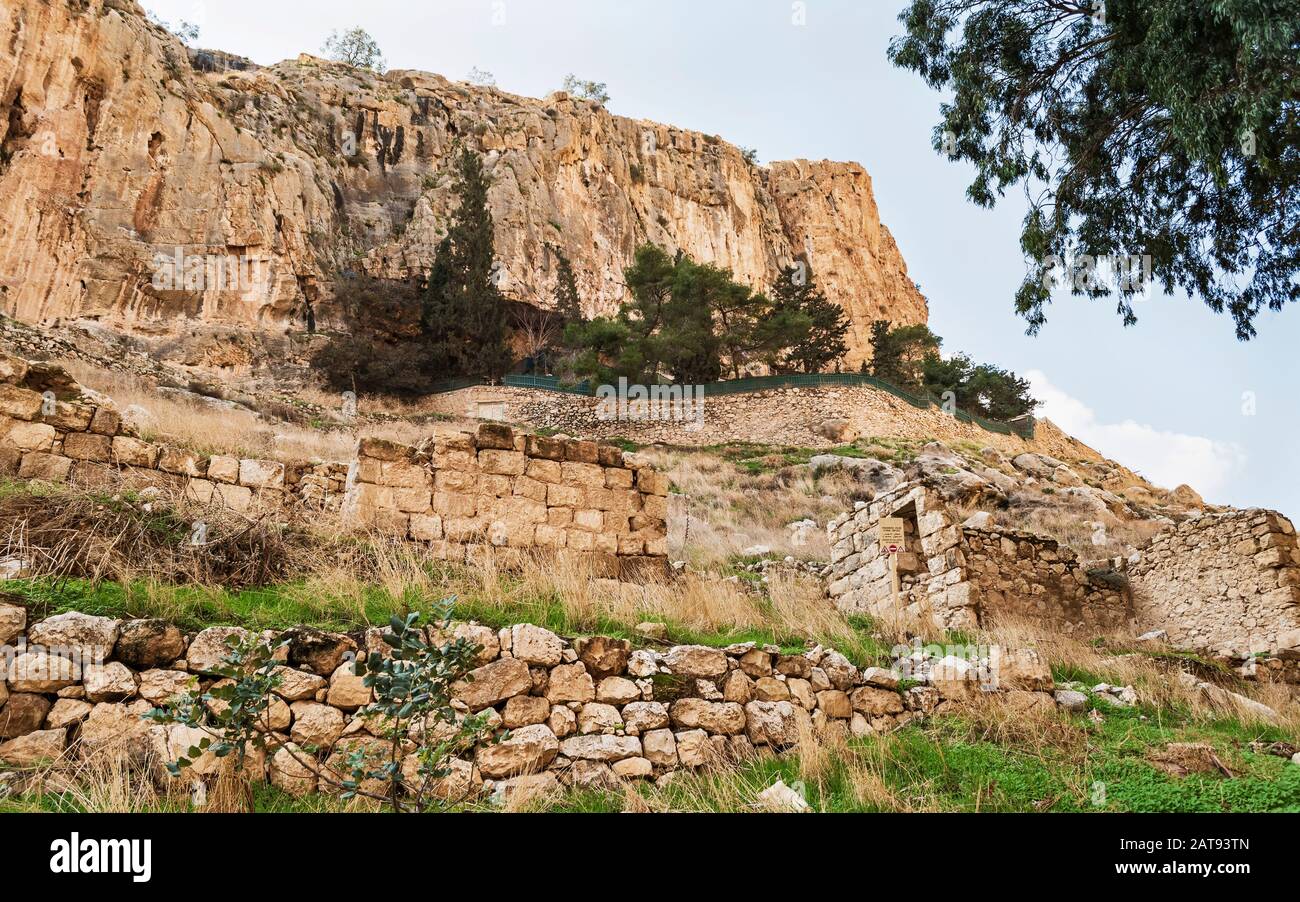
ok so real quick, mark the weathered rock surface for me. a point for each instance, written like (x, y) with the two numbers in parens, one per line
(304, 165)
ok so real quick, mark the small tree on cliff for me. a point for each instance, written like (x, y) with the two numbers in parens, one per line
(464, 314)
(355, 47)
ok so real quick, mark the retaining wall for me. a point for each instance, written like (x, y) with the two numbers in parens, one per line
(587, 711)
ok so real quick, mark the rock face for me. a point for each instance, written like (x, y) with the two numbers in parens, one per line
(120, 153)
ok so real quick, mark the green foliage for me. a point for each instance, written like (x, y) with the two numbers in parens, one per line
(898, 354)
(568, 303)
(233, 712)
(356, 48)
(412, 683)
(909, 358)
(383, 350)
(805, 330)
(587, 90)
(692, 323)
(1165, 128)
(464, 315)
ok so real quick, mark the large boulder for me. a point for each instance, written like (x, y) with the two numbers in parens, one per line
(876, 702)
(67, 712)
(601, 748)
(211, 647)
(23, 714)
(94, 636)
(315, 725)
(13, 622)
(347, 690)
(775, 724)
(642, 717)
(298, 685)
(726, 718)
(148, 644)
(535, 645)
(527, 750)
(41, 747)
(43, 671)
(112, 682)
(291, 770)
(696, 661)
(159, 686)
(570, 683)
(1021, 668)
(116, 730)
(494, 683)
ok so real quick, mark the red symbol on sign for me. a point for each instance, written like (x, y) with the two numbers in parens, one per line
(893, 549)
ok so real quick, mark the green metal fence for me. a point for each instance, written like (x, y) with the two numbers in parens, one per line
(1022, 426)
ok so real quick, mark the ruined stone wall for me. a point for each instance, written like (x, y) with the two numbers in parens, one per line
(790, 416)
(1021, 575)
(1228, 583)
(960, 577)
(466, 495)
(514, 494)
(51, 432)
(586, 711)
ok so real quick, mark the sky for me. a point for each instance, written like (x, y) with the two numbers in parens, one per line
(1175, 397)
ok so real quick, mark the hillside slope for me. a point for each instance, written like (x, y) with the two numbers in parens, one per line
(118, 148)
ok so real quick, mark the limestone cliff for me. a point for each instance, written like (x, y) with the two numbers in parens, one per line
(153, 188)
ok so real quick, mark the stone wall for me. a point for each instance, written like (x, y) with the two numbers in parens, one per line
(506, 494)
(790, 416)
(50, 431)
(582, 711)
(1228, 583)
(467, 495)
(962, 576)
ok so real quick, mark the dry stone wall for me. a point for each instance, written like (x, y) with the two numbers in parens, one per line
(49, 431)
(467, 496)
(790, 416)
(588, 711)
(959, 576)
(506, 494)
(1228, 583)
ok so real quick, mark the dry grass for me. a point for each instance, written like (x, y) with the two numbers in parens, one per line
(214, 426)
(730, 510)
(1152, 669)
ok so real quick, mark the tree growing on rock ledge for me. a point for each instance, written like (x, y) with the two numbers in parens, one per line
(355, 47)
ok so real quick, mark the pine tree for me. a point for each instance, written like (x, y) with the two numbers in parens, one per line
(464, 313)
(806, 328)
(898, 355)
(568, 303)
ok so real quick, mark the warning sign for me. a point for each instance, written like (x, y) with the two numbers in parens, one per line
(890, 533)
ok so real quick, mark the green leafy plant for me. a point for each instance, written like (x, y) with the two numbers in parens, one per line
(412, 683)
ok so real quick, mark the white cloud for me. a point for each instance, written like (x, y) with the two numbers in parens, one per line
(1168, 459)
